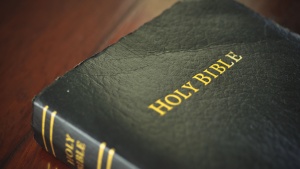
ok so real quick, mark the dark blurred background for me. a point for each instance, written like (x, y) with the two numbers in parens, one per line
(284, 12)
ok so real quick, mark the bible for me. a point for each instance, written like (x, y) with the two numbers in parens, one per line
(207, 84)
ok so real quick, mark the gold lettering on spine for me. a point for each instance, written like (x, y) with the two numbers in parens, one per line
(158, 109)
(79, 154)
(69, 138)
(100, 155)
(69, 154)
(111, 153)
(43, 126)
(51, 131)
(69, 149)
(204, 79)
(75, 150)
(234, 57)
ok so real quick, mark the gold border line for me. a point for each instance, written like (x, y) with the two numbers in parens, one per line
(100, 154)
(51, 131)
(43, 125)
(111, 153)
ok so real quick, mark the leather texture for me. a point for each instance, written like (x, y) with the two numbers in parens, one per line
(248, 117)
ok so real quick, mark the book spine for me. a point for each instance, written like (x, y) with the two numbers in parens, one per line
(70, 144)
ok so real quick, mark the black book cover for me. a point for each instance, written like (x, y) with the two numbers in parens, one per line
(208, 84)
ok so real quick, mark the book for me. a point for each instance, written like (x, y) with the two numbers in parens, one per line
(207, 84)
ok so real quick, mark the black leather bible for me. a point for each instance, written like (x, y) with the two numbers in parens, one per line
(208, 84)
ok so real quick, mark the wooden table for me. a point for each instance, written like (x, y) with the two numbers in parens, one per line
(41, 40)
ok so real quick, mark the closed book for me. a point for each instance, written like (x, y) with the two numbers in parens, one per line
(207, 84)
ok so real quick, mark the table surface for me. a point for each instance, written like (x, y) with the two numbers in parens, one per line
(41, 40)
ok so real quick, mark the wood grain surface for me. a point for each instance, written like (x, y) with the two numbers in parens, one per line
(41, 40)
